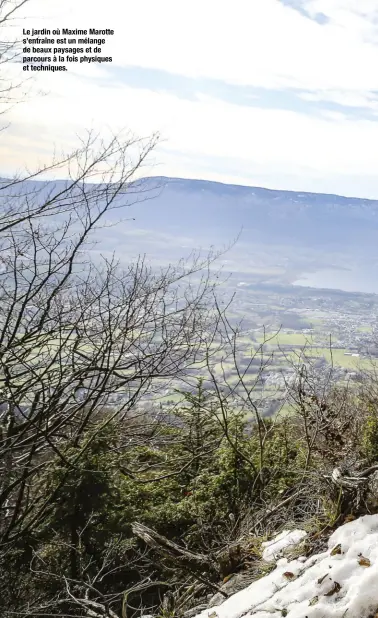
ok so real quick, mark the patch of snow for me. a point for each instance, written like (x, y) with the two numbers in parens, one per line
(339, 583)
(273, 549)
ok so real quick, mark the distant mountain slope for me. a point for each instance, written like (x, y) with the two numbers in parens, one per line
(284, 233)
(202, 207)
(287, 216)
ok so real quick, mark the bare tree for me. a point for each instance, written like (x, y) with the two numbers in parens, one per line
(78, 337)
(82, 339)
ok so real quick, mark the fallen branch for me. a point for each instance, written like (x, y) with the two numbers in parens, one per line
(172, 550)
(196, 564)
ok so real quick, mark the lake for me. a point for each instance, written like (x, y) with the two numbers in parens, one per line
(346, 280)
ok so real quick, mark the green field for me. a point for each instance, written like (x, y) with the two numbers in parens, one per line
(364, 329)
(289, 346)
(339, 358)
(286, 339)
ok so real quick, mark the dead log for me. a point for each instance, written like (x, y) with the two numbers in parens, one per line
(355, 486)
(186, 558)
(343, 479)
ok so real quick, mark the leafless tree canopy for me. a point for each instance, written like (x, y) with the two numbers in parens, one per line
(80, 337)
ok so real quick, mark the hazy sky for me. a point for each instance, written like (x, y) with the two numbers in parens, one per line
(275, 93)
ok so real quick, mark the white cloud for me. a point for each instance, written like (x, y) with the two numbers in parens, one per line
(262, 43)
(345, 98)
(259, 43)
(267, 141)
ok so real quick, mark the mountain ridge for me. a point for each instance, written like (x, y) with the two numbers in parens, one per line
(179, 179)
(281, 234)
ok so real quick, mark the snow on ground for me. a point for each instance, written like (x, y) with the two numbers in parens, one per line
(273, 549)
(339, 583)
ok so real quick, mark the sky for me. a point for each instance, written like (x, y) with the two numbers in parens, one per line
(274, 93)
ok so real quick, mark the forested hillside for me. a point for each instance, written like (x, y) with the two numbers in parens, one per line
(113, 505)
